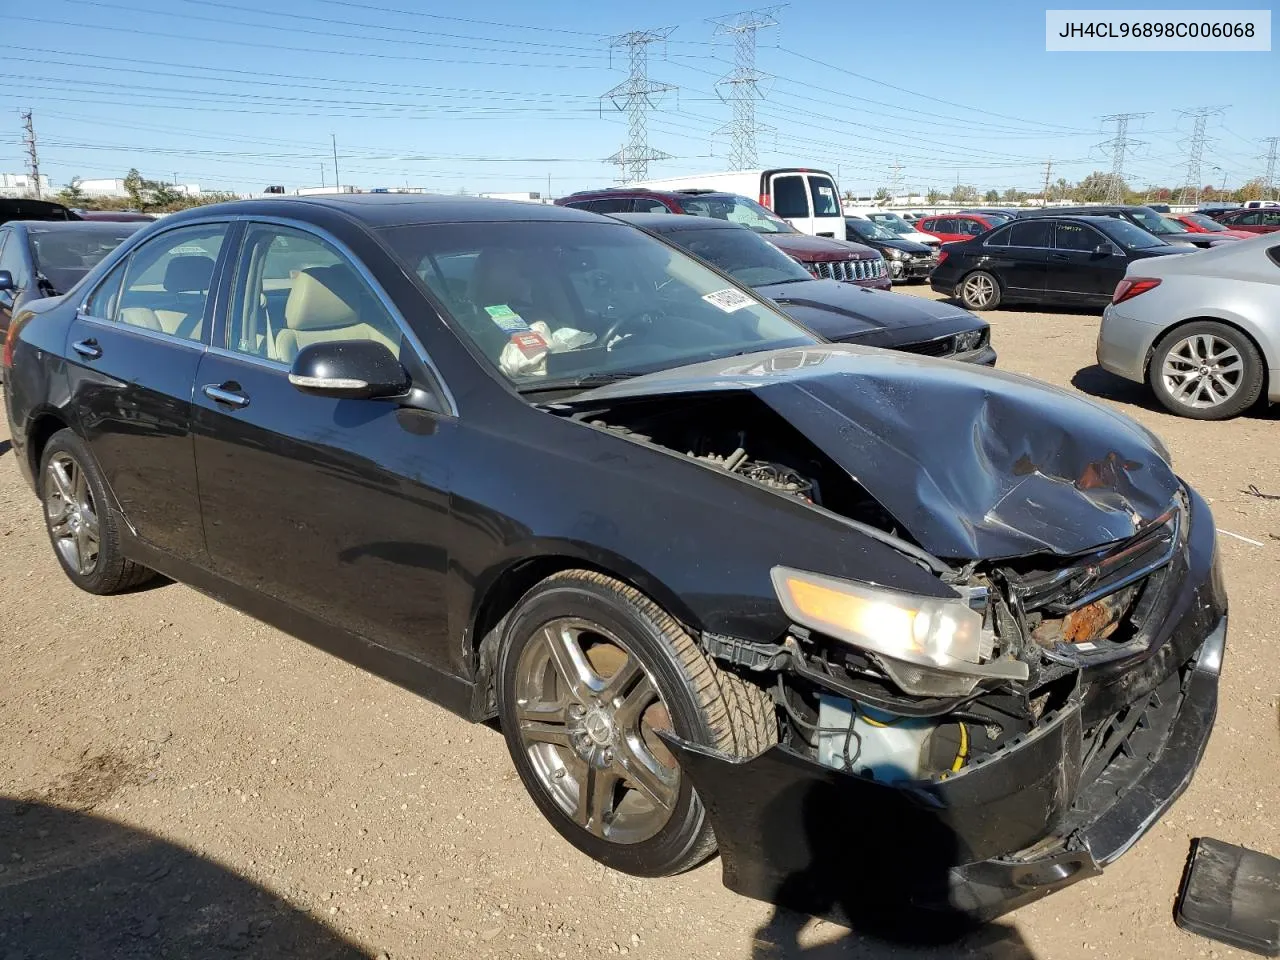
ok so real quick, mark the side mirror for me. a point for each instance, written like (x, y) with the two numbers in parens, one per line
(1106, 250)
(352, 369)
(6, 280)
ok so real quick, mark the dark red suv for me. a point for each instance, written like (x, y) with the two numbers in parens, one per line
(821, 256)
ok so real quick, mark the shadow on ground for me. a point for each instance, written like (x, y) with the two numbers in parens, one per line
(76, 885)
(5, 447)
(1096, 382)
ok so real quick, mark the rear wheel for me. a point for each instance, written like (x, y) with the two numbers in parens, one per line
(1206, 371)
(590, 671)
(980, 291)
(81, 527)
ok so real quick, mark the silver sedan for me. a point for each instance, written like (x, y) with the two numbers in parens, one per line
(1203, 330)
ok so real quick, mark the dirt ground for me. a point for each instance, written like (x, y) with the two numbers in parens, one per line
(178, 780)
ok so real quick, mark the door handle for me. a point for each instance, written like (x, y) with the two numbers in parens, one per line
(1058, 256)
(220, 394)
(87, 348)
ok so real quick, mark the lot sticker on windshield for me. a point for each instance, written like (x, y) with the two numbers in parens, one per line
(506, 318)
(728, 299)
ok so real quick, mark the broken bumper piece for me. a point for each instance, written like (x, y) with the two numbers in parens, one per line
(1043, 813)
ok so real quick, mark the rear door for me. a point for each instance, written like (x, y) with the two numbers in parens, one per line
(1019, 255)
(828, 216)
(133, 348)
(11, 259)
(791, 200)
(1078, 272)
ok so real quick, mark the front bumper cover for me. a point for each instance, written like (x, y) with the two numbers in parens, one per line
(1040, 814)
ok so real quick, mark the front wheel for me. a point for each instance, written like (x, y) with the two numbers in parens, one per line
(590, 671)
(1206, 371)
(980, 291)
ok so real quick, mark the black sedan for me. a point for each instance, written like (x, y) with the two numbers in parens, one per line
(840, 312)
(907, 259)
(1059, 260)
(1168, 230)
(45, 259)
(884, 628)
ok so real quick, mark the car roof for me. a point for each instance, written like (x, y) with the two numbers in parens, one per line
(75, 226)
(649, 192)
(390, 209)
(672, 223)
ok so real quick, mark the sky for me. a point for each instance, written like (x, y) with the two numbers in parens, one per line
(506, 96)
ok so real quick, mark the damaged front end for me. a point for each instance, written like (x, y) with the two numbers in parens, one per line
(974, 750)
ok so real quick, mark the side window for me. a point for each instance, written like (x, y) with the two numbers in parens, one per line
(608, 205)
(1000, 238)
(972, 227)
(1077, 237)
(945, 225)
(294, 289)
(1250, 219)
(825, 201)
(645, 205)
(1271, 218)
(790, 199)
(1031, 233)
(11, 259)
(167, 282)
(102, 302)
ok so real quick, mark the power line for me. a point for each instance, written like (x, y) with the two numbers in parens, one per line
(1117, 147)
(744, 81)
(33, 156)
(1195, 151)
(635, 96)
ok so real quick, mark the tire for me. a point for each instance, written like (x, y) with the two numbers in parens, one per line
(74, 495)
(979, 291)
(1206, 371)
(557, 737)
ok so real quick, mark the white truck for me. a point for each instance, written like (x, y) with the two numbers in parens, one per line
(807, 199)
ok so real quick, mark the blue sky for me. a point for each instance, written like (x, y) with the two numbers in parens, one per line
(498, 96)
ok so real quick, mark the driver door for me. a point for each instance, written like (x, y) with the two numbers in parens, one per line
(335, 507)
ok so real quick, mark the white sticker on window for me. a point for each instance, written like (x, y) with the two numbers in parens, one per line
(826, 192)
(728, 299)
(506, 318)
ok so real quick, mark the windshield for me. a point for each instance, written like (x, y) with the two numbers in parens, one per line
(737, 210)
(1131, 237)
(63, 257)
(749, 259)
(868, 230)
(560, 301)
(1152, 222)
(891, 221)
(1205, 223)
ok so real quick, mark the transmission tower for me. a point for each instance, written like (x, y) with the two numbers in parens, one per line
(895, 179)
(744, 81)
(635, 96)
(33, 158)
(1269, 179)
(1116, 148)
(1194, 145)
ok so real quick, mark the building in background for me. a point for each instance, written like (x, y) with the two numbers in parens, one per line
(528, 197)
(21, 185)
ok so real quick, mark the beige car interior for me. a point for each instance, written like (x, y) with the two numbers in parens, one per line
(179, 310)
(326, 304)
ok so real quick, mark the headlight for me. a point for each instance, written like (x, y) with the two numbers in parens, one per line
(929, 646)
(894, 254)
(970, 340)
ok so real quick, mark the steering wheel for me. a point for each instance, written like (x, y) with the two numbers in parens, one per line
(643, 317)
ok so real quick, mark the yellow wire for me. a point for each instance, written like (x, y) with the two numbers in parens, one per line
(963, 752)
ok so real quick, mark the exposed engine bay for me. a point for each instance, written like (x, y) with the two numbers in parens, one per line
(1046, 620)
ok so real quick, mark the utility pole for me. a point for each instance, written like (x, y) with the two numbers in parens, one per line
(322, 174)
(744, 81)
(1117, 147)
(549, 197)
(337, 183)
(635, 95)
(1190, 192)
(1048, 171)
(1269, 179)
(33, 157)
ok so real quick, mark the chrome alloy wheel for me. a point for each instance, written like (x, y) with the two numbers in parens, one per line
(588, 713)
(979, 289)
(72, 516)
(1202, 371)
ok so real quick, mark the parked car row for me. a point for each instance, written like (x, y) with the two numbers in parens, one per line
(719, 580)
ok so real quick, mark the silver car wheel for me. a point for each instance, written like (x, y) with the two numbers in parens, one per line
(588, 711)
(1202, 371)
(72, 517)
(979, 290)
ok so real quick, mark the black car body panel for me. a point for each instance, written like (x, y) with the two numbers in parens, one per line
(397, 533)
(1024, 468)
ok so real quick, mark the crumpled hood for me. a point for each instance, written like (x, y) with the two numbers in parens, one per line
(974, 463)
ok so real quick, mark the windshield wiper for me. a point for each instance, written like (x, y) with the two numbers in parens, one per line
(577, 383)
(775, 283)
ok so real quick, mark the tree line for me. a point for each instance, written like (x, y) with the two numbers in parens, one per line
(147, 196)
(1092, 189)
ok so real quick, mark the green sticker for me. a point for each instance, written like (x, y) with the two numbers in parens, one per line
(506, 318)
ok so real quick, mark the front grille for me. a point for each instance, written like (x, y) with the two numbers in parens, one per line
(942, 347)
(848, 270)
